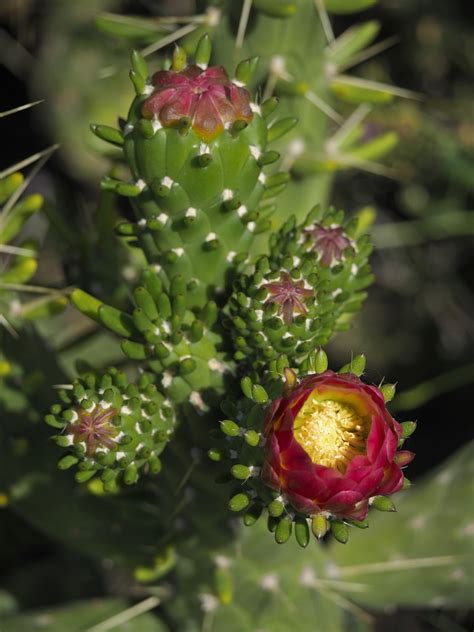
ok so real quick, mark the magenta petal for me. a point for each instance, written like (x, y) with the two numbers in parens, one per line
(240, 99)
(369, 483)
(270, 476)
(303, 504)
(376, 438)
(391, 444)
(393, 481)
(342, 502)
(376, 395)
(358, 468)
(164, 79)
(176, 109)
(207, 120)
(155, 103)
(306, 485)
(295, 458)
(286, 441)
(193, 74)
(345, 498)
(359, 511)
(213, 75)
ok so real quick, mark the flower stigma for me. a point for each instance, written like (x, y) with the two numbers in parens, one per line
(332, 433)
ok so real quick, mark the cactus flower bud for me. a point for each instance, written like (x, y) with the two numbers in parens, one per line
(332, 445)
(289, 295)
(95, 428)
(330, 242)
(208, 98)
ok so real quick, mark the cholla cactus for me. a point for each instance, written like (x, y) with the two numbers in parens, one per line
(326, 444)
(296, 297)
(221, 404)
(197, 146)
(243, 273)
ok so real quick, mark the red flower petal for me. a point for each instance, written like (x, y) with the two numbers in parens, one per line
(214, 75)
(154, 104)
(207, 120)
(240, 99)
(392, 481)
(359, 511)
(176, 109)
(343, 500)
(164, 79)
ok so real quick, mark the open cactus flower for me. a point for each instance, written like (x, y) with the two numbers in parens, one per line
(328, 448)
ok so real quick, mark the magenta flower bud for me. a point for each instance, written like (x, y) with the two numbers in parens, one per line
(329, 243)
(208, 98)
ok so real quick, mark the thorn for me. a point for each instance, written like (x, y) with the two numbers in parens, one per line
(325, 21)
(244, 17)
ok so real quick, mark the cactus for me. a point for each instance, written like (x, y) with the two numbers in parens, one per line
(218, 401)
(294, 299)
(111, 427)
(275, 450)
(87, 616)
(198, 182)
(20, 260)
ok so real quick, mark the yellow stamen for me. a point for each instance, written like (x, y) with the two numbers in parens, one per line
(332, 433)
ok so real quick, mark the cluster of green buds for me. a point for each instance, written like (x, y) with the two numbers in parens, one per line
(315, 449)
(175, 343)
(111, 427)
(306, 288)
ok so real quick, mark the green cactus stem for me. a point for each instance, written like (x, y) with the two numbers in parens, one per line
(175, 343)
(198, 184)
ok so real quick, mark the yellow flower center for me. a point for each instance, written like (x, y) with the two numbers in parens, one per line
(332, 433)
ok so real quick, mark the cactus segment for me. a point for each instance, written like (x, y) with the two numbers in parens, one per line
(19, 215)
(294, 299)
(197, 148)
(246, 462)
(109, 134)
(112, 428)
(176, 343)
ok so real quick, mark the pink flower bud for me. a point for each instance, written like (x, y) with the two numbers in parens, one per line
(208, 98)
